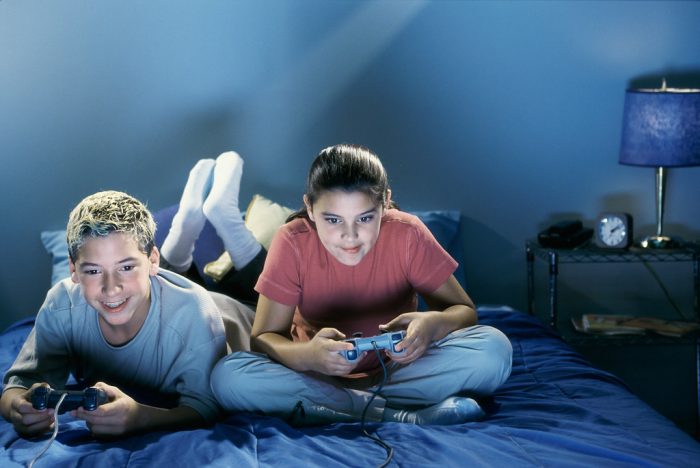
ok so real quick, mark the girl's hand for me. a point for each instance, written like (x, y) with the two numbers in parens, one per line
(420, 328)
(324, 353)
(118, 416)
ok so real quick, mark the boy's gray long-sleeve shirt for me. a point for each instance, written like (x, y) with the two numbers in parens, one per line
(174, 351)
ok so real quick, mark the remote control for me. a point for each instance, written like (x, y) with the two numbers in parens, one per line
(89, 399)
(386, 341)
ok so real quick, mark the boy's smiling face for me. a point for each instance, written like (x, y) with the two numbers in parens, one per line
(115, 277)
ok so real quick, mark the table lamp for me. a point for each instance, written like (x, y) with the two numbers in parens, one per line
(661, 128)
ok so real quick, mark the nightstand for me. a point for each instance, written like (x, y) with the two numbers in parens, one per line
(589, 253)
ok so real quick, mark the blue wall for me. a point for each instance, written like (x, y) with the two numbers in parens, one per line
(507, 111)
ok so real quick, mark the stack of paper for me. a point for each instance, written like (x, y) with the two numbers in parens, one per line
(607, 324)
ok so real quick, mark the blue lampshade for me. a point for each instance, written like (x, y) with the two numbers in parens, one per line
(661, 128)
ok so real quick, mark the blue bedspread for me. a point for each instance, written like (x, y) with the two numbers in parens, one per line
(555, 410)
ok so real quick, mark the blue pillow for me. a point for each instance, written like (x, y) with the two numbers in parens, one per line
(55, 244)
(444, 224)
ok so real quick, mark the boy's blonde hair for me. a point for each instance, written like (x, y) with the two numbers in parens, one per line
(103, 213)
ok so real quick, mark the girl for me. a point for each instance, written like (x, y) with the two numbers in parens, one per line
(349, 263)
(211, 193)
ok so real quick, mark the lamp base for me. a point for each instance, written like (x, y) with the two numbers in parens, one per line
(659, 242)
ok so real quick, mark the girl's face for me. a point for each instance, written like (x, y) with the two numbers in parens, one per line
(347, 223)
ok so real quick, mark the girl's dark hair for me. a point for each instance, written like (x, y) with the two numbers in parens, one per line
(351, 168)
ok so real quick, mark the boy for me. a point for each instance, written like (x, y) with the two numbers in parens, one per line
(121, 323)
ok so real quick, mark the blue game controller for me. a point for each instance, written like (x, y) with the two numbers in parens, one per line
(89, 399)
(386, 341)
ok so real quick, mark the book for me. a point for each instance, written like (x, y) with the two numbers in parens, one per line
(611, 324)
(664, 327)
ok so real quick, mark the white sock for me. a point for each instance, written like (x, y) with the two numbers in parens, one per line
(453, 410)
(189, 220)
(222, 211)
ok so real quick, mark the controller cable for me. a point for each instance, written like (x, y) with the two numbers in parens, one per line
(661, 284)
(55, 431)
(376, 438)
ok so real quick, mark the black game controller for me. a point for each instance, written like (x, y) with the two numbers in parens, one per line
(89, 399)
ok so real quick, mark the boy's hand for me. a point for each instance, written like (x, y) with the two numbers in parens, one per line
(324, 353)
(26, 420)
(419, 328)
(117, 416)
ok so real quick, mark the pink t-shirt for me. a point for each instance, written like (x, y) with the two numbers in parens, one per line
(300, 271)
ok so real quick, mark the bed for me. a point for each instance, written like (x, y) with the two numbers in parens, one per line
(554, 410)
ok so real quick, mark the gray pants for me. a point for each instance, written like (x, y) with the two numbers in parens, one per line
(472, 361)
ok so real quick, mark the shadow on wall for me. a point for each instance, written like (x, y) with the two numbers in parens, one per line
(500, 259)
(622, 202)
(201, 133)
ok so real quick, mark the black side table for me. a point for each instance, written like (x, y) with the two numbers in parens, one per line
(589, 253)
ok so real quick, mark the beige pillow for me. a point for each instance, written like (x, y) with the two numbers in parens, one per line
(263, 217)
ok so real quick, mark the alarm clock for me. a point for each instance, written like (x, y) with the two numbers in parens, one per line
(613, 230)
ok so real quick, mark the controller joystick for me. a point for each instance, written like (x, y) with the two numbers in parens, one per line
(89, 399)
(386, 341)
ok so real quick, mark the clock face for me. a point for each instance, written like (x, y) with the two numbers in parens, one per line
(614, 230)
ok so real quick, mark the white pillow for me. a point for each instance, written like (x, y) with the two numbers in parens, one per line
(263, 217)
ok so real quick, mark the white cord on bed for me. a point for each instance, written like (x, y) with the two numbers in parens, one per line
(55, 432)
